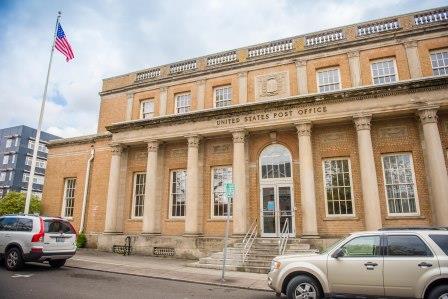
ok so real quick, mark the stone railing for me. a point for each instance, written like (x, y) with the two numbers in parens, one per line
(324, 38)
(221, 58)
(407, 22)
(431, 17)
(270, 48)
(148, 74)
(372, 28)
(183, 66)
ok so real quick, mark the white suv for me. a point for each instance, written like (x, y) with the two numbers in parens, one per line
(28, 238)
(411, 263)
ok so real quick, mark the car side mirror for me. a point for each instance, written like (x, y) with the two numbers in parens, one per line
(338, 253)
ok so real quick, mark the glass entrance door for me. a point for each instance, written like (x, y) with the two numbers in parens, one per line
(276, 208)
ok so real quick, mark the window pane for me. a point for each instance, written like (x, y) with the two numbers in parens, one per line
(406, 246)
(362, 246)
(383, 72)
(271, 158)
(328, 80)
(178, 193)
(221, 176)
(338, 187)
(441, 241)
(24, 225)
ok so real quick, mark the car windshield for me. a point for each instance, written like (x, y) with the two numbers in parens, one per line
(333, 245)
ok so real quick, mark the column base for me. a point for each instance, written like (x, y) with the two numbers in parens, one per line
(192, 235)
(112, 233)
(150, 234)
(310, 237)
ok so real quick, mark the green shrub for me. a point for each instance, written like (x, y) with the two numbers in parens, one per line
(81, 241)
(14, 203)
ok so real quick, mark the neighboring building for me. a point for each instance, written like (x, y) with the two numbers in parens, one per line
(16, 152)
(336, 131)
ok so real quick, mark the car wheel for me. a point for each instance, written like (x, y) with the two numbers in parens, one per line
(56, 264)
(303, 287)
(13, 259)
(439, 292)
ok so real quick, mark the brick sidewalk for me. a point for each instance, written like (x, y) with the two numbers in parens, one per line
(165, 268)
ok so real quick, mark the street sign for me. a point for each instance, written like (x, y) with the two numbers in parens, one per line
(230, 189)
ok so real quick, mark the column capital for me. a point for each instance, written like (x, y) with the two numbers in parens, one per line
(362, 122)
(428, 115)
(300, 62)
(201, 82)
(239, 136)
(163, 89)
(303, 128)
(116, 149)
(153, 145)
(242, 74)
(130, 95)
(410, 44)
(193, 140)
(352, 54)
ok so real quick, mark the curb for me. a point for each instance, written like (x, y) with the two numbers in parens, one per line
(172, 279)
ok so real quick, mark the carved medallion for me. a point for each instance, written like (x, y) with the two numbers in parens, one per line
(272, 86)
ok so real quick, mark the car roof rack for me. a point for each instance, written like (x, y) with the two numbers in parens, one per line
(413, 228)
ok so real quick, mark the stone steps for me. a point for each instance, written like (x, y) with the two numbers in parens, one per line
(258, 260)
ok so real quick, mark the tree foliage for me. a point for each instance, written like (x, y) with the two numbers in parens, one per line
(14, 203)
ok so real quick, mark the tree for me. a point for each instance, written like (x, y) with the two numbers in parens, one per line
(14, 203)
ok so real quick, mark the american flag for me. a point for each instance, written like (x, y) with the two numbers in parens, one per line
(62, 45)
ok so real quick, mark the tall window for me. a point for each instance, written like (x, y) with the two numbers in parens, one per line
(183, 103)
(11, 175)
(223, 96)
(2, 176)
(17, 141)
(8, 142)
(177, 192)
(439, 62)
(328, 80)
(139, 194)
(275, 162)
(5, 159)
(384, 71)
(400, 184)
(338, 190)
(69, 197)
(13, 159)
(146, 109)
(220, 176)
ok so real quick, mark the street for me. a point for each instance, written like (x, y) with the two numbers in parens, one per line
(39, 281)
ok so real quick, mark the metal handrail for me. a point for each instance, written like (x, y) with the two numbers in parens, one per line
(248, 240)
(284, 237)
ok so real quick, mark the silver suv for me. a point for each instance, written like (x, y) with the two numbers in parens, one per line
(29, 238)
(410, 263)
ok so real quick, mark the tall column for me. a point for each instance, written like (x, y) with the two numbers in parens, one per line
(355, 68)
(302, 81)
(436, 165)
(413, 59)
(369, 183)
(307, 187)
(192, 196)
(242, 87)
(239, 179)
(163, 99)
(200, 95)
(113, 190)
(151, 209)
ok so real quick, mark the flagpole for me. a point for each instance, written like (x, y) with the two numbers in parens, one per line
(39, 126)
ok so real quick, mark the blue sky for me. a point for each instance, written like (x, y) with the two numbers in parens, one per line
(112, 37)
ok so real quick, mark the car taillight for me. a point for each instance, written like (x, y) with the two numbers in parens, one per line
(73, 229)
(39, 237)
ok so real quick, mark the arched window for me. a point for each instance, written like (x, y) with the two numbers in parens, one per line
(275, 162)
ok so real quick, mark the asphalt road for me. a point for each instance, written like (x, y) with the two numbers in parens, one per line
(39, 281)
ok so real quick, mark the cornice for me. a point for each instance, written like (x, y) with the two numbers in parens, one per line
(358, 93)
(398, 36)
(79, 140)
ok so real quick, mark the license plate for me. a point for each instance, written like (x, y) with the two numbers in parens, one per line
(60, 240)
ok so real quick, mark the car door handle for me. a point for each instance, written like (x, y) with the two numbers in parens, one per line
(370, 264)
(424, 265)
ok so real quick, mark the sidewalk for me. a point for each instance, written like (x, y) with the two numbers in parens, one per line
(165, 268)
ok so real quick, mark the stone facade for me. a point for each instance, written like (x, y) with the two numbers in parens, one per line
(274, 101)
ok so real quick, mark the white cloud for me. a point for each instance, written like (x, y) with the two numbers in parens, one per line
(114, 37)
